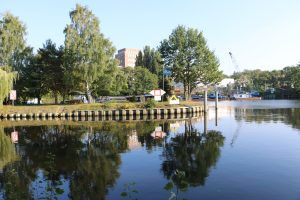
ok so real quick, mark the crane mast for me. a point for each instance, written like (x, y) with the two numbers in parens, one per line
(234, 62)
(241, 82)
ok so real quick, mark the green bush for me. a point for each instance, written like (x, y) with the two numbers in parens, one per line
(151, 103)
(125, 106)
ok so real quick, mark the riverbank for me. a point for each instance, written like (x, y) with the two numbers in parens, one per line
(106, 109)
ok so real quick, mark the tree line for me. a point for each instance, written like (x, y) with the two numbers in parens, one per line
(86, 62)
(285, 83)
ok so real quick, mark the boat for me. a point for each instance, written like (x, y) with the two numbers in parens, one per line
(245, 96)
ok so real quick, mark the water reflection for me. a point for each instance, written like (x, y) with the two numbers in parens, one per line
(93, 160)
(7, 149)
(193, 153)
(87, 157)
(289, 116)
(82, 162)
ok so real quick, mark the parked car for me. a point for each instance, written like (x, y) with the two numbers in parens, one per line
(194, 97)
(213, 96)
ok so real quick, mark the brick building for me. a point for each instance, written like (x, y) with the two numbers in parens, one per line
(127, 56)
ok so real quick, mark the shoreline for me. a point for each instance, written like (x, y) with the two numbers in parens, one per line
(116, 112)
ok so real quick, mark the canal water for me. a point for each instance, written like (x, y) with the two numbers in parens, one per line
(247, 150)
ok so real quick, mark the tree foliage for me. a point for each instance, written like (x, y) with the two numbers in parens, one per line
(50, 60)
(186, 55)
(141, 81)
(6, 79)
(87, 52)
(112, 82)
(286, 82)
(12, 43)
(150, 59)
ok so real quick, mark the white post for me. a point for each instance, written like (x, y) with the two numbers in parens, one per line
(205, 98)
(216, 102)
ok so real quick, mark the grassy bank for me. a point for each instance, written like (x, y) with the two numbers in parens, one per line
(97, 106)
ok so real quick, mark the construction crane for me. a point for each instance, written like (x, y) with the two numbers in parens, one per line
(239, 85)
(234, 62)
(241, 82)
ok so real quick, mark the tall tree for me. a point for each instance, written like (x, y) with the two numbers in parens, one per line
(87, 52)
(12, 42)
(186, 55)
(139, 59)
(24, 59)
(150, 59)
(53, 76)
(34, 77)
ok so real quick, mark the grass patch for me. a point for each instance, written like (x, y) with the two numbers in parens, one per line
(21, 109)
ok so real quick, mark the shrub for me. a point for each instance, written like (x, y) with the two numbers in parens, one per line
(151, 103)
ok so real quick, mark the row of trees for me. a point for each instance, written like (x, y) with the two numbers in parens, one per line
(286, 82)
(86, 62)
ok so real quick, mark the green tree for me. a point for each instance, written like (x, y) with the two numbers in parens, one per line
(139, 59)
(34, 78)
(292, 81)
(186, 55)
(112, 82)
(144, 81)
(12, 42)
(292, 77)
(150, 59)
(87, 52)
(7, 79)
(23, 61)
(129, 73)
(53, 71)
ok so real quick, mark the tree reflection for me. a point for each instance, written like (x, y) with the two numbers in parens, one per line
(86, 156)
(193, 154)
(286, 115)
(7, 149)
(97, 167)
(14, 183)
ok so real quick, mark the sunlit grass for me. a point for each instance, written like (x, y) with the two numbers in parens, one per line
(96, 106)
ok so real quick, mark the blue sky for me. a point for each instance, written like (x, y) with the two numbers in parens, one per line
(262, 34)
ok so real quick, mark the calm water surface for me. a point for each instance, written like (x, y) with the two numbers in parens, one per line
(248, 150)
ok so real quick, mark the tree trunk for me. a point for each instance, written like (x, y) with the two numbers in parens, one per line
(184, 90)
(87, 92)
(55, 98)
(189, 91)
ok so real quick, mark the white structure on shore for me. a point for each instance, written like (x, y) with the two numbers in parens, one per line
(225, 82)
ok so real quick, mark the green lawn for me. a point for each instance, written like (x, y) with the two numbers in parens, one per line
(96, 106)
